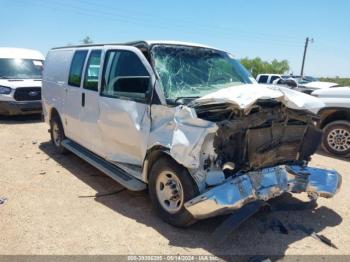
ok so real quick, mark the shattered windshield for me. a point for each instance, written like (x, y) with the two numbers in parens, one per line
(195, 71)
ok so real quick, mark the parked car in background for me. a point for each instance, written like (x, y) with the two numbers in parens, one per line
(20, 81)
(306, 84)
(301, 80)
(335, 119)
(319, 85)
(186, 121)
(267, 78)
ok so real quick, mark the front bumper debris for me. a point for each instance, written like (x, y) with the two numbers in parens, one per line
(264, 185)
(20, 108)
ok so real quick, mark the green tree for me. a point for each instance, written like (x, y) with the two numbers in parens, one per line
(87, 40)
(258, 66)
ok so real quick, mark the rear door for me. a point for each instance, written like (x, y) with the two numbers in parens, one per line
(73, 99)
(124, 108)
(89, 110)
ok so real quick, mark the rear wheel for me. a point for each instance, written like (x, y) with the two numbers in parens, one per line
(57, 134)
(336, 138)
(170, 187)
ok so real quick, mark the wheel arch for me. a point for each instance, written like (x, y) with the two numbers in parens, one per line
(329, 115)
(54, 113)
(151, 157)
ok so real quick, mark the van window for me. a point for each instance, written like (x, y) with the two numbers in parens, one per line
(124, 76)
(263, 79)
(76, 68)
(92, 71)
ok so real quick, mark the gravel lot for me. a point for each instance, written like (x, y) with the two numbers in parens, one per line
(52, 209)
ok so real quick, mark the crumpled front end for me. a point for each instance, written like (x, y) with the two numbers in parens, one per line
(244, 144)
(263, 185)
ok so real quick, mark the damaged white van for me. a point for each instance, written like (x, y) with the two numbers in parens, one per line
(20, 81)
(187, 122)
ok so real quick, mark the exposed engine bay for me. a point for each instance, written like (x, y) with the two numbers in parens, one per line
(270, 134)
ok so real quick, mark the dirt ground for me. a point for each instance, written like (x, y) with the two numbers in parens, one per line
(51, 208)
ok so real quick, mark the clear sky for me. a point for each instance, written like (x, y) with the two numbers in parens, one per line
(265, 28)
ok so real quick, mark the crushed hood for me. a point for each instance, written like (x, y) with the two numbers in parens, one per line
(245, 96)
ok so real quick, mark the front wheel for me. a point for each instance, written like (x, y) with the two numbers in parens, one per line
(170, 187)
(336, 138)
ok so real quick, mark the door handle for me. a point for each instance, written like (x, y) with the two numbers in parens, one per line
(82, 99)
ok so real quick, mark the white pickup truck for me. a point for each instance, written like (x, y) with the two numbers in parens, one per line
(335, 119)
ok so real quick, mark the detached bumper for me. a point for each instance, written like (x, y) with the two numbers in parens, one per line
(20, 108)
(264, 185)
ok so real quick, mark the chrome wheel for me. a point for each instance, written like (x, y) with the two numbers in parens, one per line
(169, 191)
(339, 139)
(56, 134)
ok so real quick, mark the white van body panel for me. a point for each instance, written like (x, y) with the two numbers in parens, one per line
(96, 124)
(55, 76)
(58, 94)
(129, 119)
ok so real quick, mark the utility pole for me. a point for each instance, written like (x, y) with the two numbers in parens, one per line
(304, 56)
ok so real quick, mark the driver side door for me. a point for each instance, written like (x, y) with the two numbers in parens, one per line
(124, 121)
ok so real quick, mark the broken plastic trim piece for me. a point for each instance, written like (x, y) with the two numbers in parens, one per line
(263, 185)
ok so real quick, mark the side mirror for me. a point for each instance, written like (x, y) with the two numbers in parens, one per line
(132, 86)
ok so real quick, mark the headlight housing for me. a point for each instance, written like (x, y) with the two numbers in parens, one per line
(4, 90)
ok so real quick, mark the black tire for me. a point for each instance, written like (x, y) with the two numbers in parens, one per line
(330, 147)
(181, 218)
(57, 143)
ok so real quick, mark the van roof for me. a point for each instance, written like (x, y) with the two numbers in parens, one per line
(21, 53)
(142, 43)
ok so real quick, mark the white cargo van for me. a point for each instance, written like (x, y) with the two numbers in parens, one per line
(186, 121)
(20, 81)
